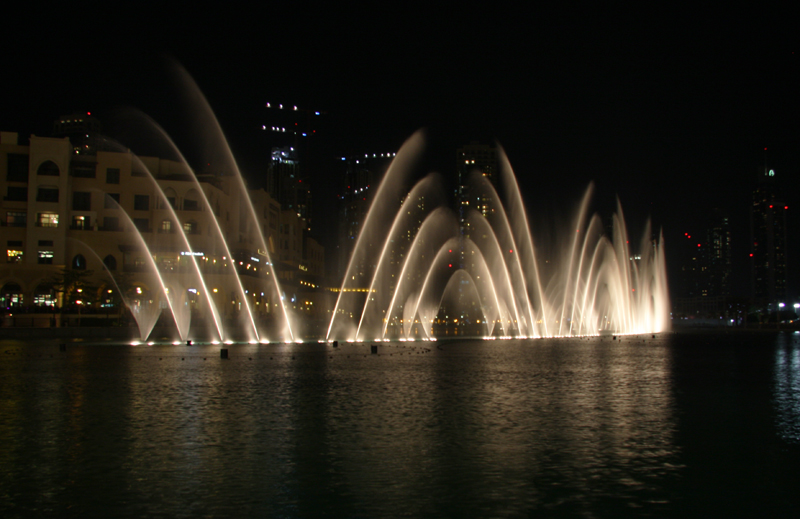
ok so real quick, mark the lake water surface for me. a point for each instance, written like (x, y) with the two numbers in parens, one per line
(683, 424)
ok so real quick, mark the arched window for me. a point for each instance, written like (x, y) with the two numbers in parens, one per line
(110, 262)
(79, 262)
(11, 296)
(48, 168)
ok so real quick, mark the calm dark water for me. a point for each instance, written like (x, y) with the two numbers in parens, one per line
(690, 425)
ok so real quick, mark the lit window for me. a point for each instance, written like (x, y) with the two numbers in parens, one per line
(44, 299)
(190, 228)
(80, 223)
(47, 220)
(46, 257)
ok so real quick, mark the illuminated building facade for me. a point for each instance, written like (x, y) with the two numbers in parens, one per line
(86, 209)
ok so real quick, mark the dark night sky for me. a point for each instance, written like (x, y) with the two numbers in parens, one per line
(668, 109)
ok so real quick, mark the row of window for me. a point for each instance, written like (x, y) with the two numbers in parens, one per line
(82, 200)
(110, 223)
(17, 169)
(166, 227)
(12, 297)
(45, 257)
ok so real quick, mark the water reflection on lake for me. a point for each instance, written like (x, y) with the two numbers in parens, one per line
(787, 388)
(451, 429)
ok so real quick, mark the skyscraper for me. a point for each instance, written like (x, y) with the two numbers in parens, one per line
(718, 250)
(83, 132)
(768, 243)
(286, 184)
(289, 131)
(362, 175)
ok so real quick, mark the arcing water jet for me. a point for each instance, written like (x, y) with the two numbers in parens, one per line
(482, 276)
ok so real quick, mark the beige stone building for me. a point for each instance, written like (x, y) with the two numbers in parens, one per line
(142, 225)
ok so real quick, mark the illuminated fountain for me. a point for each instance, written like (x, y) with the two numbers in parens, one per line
(188, 273)
(419, 269)
(436, 272)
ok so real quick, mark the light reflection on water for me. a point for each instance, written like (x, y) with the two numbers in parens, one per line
(482, 428)
(787, 387)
